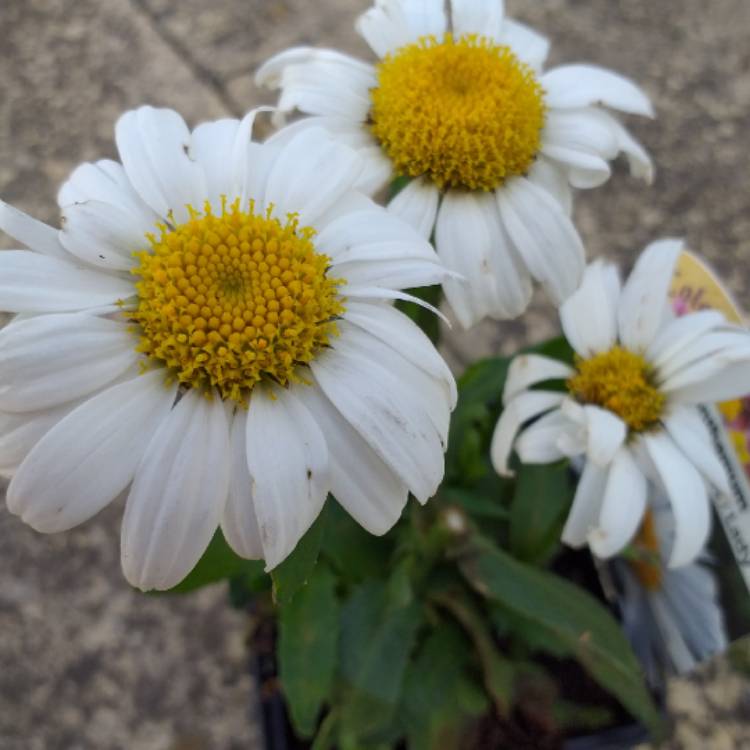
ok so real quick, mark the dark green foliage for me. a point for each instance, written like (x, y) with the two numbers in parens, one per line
(414, 636)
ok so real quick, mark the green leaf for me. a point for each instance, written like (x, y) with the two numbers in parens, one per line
(325, 739)
(540, 504)
(480, 391)
(354, 553)
(218, 563)
(377, 637)
(308, 642)
(496, 669)
(438, 697)
(475, 503)
(570, 615)
(289, 577)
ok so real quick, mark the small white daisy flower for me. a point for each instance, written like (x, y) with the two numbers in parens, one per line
(490, 140)
(213, 328)
(673, 618)
(630, 404)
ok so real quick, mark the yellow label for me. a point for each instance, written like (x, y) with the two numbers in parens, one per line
(696, 287)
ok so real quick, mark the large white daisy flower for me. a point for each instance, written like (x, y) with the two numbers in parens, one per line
(491, 141)
(213, 328)
(630, 404)
(673, 618)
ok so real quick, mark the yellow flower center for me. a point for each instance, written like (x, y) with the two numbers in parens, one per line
(622, 382)
(646, 564)
(227, 301)
(466, 113)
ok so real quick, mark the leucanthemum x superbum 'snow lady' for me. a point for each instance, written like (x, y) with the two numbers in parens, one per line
(490, 141)
(630, 405)
(213, 328)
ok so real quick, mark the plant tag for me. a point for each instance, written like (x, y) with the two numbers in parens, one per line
(696, 287)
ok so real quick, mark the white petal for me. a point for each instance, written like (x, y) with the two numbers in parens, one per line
(394, 274)
(587, 503)
(261, 159)
(589, 315)
(521, 409)
(494, 281)
(222, 148)
(387, 415)
(417, 205)
(104, 220)
(623, 507)
(529, 369)
(270, 74)
(89, 457)
(50, 359)
(606, 434)
(717, 348)
(554, 180)
(688, 430)
(371, 230)
(483, 17)
(361, 482)
(154, 146)
(377, 171)
(687, 494)
(584, 140)
(19, 433)
(373, 294)
(311, 173)
(728, 383)
(34, 283)
(681, 332)
(287, 457)
(239, 523)
(422, 17)
(434, 396)
(349, 204)
(398, 331)
(343, 130)
(391, 24)
(602, 431)
(543, 235)
(639, 161)
(178, 494)
(644, 303)
(104, 235)
(36, 235)
(528, 45)
(584, 170)
(320, 82)
(582, 85)
(211, 147)
(540, 443)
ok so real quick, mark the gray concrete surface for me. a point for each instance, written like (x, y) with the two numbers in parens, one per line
(86, 664)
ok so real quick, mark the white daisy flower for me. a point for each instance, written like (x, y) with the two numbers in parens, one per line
(673, 618)
(213, 328)
(489, 139)
(630, 404)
